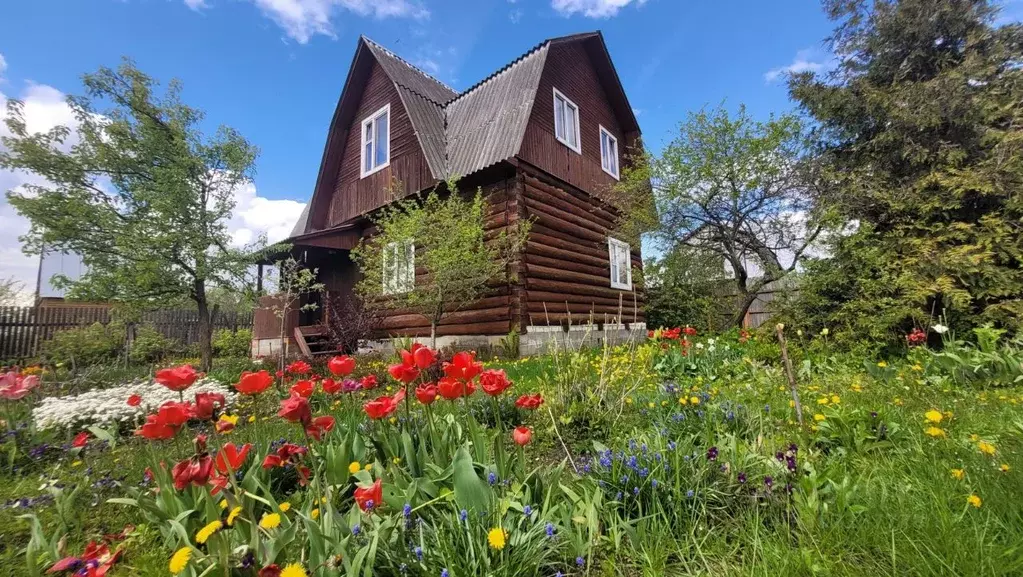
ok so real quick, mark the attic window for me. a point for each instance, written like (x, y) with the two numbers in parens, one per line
(376, 141)
(566, 121)
(621, 264)
(608, 152)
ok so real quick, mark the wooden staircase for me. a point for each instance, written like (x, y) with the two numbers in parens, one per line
(313, 341)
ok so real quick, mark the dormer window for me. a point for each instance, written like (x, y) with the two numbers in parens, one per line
(566, 121)
(608, 153)
(376, 141)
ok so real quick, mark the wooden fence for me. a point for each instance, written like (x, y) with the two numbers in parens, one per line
(24, 329)
(765, 306)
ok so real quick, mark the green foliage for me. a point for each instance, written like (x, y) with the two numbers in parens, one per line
(86, 345)
(142, 195)
(984, 364)
(150, 345)
(430, 254)
(686, 288)
(921, 122)
(228, 343)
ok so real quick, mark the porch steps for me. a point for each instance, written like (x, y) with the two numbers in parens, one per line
(313, 340)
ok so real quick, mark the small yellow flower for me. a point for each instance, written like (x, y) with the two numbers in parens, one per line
(933, 416)
(822, 401)
(897, 401)
(694, 400)
(252, 418)
(818, 417)
(368, 467)
(917, 368)
(285, 507)
(223, 503)
(229, 419)
(1004, 468)
(628, 400)
(683, 400)
(497, 538)
(315, 513)
(179, 560)
(294, 570)
(393, 420)
(792, 404)
(974, 500)
(957, 474)
(354, 467)
(881, 364)
(270, 521)
(76, 464)
(835, 399)
(986, 448)
(396, 460)
(208, 531)
(651, 404)
(233, 515)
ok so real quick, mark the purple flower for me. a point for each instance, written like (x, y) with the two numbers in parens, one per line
(768, 482)
(742, 477)
(350, 386)
(712, 454)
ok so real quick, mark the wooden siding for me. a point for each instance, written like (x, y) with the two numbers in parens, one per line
(570, 70)
(567, 271)
(353, 195)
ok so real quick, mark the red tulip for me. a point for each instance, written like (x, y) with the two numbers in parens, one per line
(368, 382)
(522, 435)
(156, 429)
(404, 373)
(230, 458)
(370, 498)
(196, 470)
(529, 401)
(174, 413)
(341, 366)
(303, 388)
(451, 388)
(463, 366)
(271, 570)
(134, 401)
(206, 404)
(81, 439)
(254, 383)
(319, 426)
(295, 409)
(299, 367)
(330, 386)
(382, 407)
(689, 331)
(426, 393)
(494, 382)
(177, 378)
(286, 453)
(218, 483)
(423, 356)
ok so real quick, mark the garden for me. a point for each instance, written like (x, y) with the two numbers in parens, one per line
(682, 454)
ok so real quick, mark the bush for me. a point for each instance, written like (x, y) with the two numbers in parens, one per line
(87, 345)
(228, 343)
(150, 345)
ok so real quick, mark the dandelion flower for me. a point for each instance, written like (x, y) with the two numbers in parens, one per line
(497, 538)
(974, 500)
(285, 506)
(694, 400)
(1004, 468)
(986, 448)
(233, 515)
(294, 570)
(935, 432)
(958, 474)
(881, 364)
(354, 467)
(818, 417)
(223, 503)
(208, 531)
(368, 467)
(933, 416)
(315, 513)
(270, 521)
(180, 560)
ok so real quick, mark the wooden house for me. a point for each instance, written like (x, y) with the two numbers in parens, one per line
(544, 137)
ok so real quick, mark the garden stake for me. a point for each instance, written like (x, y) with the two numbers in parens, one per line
(780, 328)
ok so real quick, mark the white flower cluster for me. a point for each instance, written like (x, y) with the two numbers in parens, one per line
(102, 406)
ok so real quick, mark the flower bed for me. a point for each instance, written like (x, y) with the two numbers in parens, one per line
(104, 406)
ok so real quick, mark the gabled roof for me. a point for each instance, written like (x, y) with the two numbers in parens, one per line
(460, 133)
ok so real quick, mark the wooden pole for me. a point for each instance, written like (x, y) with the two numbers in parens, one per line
(780, 328)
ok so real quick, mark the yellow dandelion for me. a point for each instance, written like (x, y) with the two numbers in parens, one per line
(986, 448)
(223, 503)
(818, 417)
(683, 400)
(180, 560)
(270, 521)
(694, 400)
(1004, 468)
(651, 404)
(822, 401)
(628, 400)
(285, 507)
(974, 500)
(354, 467)
(792, 404)
(368, 467)
(934, 416)
(497, 538)
(208, 531)
(881, 364)
(252, 418)
(958, 474)
(935, 432)
(315, 513)
(294, 570)
(233, 515)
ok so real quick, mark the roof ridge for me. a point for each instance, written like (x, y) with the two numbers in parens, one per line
(420, 94)
(498, 72)
(407, 63)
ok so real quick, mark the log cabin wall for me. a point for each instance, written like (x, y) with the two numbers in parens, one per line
(353, 195)
(567, 271)
(569, 69)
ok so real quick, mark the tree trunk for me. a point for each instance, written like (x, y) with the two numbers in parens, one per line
(433, 334)
(205, 328)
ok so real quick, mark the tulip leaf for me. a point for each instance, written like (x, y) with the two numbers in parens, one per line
(471, 492)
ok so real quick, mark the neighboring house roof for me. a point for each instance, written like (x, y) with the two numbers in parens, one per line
(459, 133)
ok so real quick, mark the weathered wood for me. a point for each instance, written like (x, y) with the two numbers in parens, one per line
(544, 272)
(556, 219)
(568, 265)
(457, 317)
(534, 184)
(546, 250)
(557, 286)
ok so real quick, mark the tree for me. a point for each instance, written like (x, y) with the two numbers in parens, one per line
(294, 281)
(730, 186)
(922, 121)
(137, 190)
(431, 255)
(683, 288)
(10, 291)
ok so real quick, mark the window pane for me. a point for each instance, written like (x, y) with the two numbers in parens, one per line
(570, 120)
(559, 117)
(381, 140)
(603, 151)
(612, 156)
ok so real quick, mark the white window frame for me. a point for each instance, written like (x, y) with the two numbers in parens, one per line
(615, 247)
(371, 119)
(578, 146)
(402, 280)
(605, 158)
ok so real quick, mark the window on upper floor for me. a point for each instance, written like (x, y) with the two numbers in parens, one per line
(566, 121)
(608, 152)
(399, 267)
(376, 141)
(621, 264)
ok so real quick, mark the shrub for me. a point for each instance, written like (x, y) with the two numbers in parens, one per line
(87, 345)
(150, 345)
(228, 343)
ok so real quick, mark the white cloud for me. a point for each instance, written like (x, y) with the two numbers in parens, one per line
(196, 4)
(806, 60)
(3, 66)
(303, 19)
(592, 8)
(515, 15)
(45, 108)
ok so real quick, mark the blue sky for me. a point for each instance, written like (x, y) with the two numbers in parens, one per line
(274, 69)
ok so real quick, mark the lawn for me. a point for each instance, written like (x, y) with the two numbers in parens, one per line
(665, 457)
